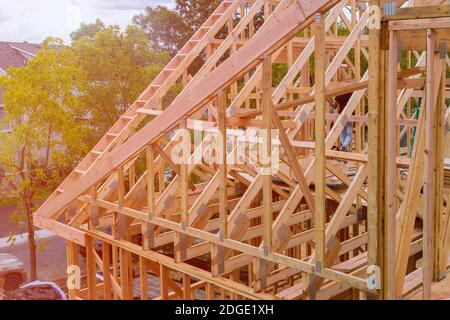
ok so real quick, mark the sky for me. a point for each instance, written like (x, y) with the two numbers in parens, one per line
(34, 20)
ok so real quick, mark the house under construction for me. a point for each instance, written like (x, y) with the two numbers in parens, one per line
(368, 222)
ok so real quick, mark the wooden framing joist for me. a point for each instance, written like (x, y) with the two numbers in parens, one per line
(318, 225)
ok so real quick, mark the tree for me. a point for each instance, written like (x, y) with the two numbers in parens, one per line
(87, 30)
(43, 102)
(195, 12)
(165, 29)
(119, 66)
(169, 30)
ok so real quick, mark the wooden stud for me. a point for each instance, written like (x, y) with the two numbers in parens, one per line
(319, 181)
(391, 166)
(429, 167)
(143, 278)
(106, 254)
(91, 269)
(266, 153)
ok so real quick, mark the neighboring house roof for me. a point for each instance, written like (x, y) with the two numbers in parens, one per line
(15, 54)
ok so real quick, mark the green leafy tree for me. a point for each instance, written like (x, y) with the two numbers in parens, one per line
(168, 30)
(119, 65)
(42, 101)
(87, 30)
(195, 12)
(165, 29)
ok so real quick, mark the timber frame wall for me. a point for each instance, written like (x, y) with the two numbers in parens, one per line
(328, 220)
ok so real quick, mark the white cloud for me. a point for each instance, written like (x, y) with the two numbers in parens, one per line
(3, 16)
(33, 21)
(130, 4)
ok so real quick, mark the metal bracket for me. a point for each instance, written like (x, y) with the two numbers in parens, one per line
(221, 236)
(318, 266)
(390, 8)
(318, 17)
(266, 250)
(442, 50)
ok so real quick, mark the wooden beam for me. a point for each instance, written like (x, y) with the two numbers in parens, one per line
(91, 269)
(414, 24)
(391, 167)
(107, 282)
(143, 270)
(429, 165)
(72, 261)
(223, 172)
(280, 28)
(266, 154)
(320, 177)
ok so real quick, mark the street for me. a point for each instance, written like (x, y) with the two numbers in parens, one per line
(51, 260)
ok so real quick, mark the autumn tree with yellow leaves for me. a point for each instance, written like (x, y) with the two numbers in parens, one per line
(60, 104)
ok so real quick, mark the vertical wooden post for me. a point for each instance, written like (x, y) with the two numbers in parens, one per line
(221, 106)
(163, 277)
(217, 260)
(115, 266)
(381, 158)
(106, 255)
(93, 209)
(72, 261)
(150, 181)
(359, 136)
(125, 276)
(319, 183)
(143, 268)
(440, 248)
(429, 166)
(187, 291)
(119, 219)
(179, 238)
(147, 228)
(376, 145)
(91, 268)
(184, 177)
(391, 164)
(408, 110)
(266, 155)
(132, 174)
(209, 291)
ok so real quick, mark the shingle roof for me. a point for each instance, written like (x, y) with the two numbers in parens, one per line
(15, 54)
